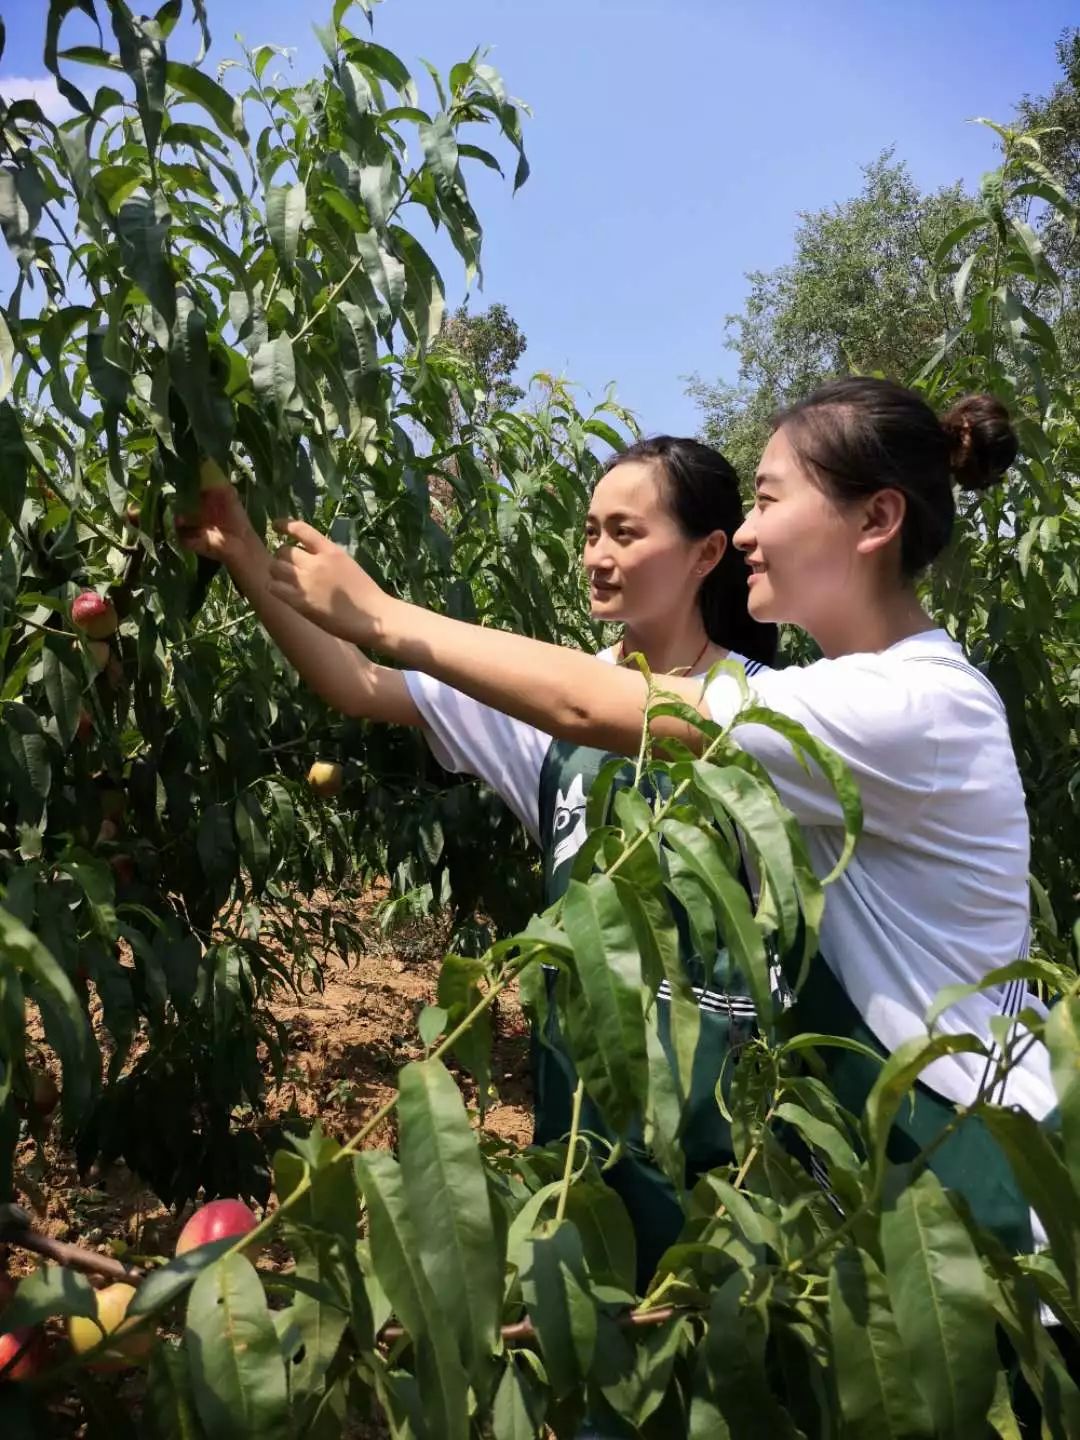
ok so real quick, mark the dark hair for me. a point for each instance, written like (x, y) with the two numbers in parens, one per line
(861, 435)
(703, 495)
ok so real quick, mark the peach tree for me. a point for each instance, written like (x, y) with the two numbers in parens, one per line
(235, 283)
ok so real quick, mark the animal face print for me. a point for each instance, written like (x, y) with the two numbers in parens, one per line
(568, 831)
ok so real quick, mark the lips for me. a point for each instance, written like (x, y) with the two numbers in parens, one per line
(603, 592)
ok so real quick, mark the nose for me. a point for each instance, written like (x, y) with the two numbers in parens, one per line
(596, 556)
(744, 538)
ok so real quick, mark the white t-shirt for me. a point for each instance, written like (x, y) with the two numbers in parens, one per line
(470, 738)
(937, 891)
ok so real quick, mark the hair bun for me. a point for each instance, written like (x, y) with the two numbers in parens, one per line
(982, 442)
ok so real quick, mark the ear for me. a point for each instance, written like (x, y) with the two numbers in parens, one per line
(711, 552)
(882, 521)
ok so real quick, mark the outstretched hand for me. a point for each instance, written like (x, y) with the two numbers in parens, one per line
(325, 584)
(220, 528)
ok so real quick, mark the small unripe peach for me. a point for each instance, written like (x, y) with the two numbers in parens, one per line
(326, 778)
(112, 1304)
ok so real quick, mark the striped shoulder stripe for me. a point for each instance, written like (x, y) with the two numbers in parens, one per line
(1011, 1005)
(964, 666)
(753, 666)
(715, 1000)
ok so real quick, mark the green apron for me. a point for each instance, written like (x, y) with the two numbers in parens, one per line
(727, 1020)
(969, 1162)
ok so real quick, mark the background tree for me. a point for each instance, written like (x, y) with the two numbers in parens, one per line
(492, 343)
(858, 294)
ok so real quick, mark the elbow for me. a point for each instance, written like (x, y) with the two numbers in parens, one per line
(579, 722)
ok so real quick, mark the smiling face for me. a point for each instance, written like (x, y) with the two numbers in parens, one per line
(802, 548)
(641, 565)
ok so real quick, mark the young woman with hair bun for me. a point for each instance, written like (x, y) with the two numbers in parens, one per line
(854, 497)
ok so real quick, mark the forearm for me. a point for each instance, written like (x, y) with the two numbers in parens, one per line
(334, 669)
(561, 691)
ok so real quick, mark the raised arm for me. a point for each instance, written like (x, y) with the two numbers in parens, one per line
(561, 691)
(330, 666)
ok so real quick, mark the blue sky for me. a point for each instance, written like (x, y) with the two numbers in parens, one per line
(672, 145)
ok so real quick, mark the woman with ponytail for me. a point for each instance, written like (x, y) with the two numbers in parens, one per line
(659, 556)
(854, 497)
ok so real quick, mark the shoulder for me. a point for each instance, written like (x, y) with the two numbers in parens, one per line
(905, 685)
(908, 699)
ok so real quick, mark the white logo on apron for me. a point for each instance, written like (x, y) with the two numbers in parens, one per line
(568, 831)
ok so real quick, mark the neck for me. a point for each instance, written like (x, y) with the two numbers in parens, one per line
(666, 646)
(873, 625)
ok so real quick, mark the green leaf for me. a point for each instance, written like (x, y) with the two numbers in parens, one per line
(430, 1024)
(237, 1371)
(62, 675)
(425, 301)
(898, 1075)
(941, 1304)
(192, 374)
(273, 372)
(731, 1394)
(13, 463)
(606, 1231)
(251, 838)
(1044, 1180)
(1062, 1036)
(142, 55)
(142, 227)
(50, 1290)
(702, 851)
(29, 753)
(286, 206)
(7, 358)
(518, 1411)
(359, 355)
(877, 1398)
(70, 1027)
(755, 807)
(214, 844)
(385, 64)
(557, 1297)
(170, 1402)
(198, 87)
(606, 1030)
(168, 1282)
(458, 994)
(956, 234)
(640, 889)
(448, 1201)
(394, 1254)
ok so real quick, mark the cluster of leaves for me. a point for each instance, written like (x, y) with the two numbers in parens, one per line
(229, 274)
(461, 1289)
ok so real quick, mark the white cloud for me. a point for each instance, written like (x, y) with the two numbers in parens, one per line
(41, 88)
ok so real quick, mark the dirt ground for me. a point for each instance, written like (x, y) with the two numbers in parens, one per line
(346, 1044)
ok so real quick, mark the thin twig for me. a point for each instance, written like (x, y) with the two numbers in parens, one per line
(75, 1257)
(571, 1147)
(526, 1330)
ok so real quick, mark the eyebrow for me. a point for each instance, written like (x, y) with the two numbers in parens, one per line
(763, 477)
(615, 518)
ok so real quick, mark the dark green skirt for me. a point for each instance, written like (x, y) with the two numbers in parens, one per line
(970, 1162)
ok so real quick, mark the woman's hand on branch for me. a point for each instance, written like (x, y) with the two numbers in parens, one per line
(323, 583)
(220, 529)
